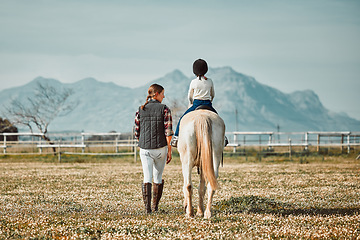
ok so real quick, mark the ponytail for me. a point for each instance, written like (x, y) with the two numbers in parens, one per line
(147, 101)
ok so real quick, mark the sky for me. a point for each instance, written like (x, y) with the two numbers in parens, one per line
(290, 45)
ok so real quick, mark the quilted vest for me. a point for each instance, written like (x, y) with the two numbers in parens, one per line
(152, 129)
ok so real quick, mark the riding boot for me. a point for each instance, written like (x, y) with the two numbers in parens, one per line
(226, 142)
(146, 191)
(157, 189)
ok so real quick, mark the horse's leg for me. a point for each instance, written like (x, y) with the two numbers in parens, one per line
(187, 190)
(210, 191)
(200, 211)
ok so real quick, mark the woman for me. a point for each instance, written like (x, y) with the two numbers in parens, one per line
(153, 130)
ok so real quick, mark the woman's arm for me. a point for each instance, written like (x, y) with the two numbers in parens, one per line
(169, 154)
(168, 131)
(137, 125)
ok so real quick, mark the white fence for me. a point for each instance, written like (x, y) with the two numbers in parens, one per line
(111, 143)
(69, 143)
(294, 139)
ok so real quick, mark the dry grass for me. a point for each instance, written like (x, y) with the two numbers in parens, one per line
(317, 200)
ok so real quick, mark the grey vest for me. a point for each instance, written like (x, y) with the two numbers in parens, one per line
(152, 129)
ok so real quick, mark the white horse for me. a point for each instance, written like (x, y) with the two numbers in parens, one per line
(201, 144)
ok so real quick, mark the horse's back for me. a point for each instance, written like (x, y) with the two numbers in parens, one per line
(203, 114)
(188, 123)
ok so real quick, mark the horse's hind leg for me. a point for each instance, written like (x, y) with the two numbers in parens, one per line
(187, 190)
(210, 192)
(200, 211)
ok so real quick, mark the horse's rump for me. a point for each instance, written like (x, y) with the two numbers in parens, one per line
(201, 142)
(202, 125)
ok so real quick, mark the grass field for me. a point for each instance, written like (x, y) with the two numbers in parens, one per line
(88, 198)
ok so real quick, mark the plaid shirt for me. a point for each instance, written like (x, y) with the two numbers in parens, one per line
(167, 123)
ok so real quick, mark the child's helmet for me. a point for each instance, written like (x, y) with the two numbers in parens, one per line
(200, 67)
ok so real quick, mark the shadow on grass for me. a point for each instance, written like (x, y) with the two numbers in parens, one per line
(256, 204)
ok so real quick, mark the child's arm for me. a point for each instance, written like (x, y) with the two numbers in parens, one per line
(191, 93)
(191, 96)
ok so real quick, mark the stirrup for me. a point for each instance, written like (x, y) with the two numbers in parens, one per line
(174, 141)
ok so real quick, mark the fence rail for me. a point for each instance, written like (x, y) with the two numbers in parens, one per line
(117, 144)
(69, 143)
(295, 139)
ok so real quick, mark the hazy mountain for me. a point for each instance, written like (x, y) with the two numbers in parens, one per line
(244, 104)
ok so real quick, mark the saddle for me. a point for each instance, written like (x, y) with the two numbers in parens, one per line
(204, 107)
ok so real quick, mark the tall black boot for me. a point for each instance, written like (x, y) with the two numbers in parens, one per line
(146, 191)
(226, 141)
(158, 190)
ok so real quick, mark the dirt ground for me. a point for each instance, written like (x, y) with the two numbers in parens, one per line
(256, 200)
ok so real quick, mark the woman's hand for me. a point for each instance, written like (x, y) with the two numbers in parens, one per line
(168, 158)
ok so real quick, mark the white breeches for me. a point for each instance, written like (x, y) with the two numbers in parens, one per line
(153, 163)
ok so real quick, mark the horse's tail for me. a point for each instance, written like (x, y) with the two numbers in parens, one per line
(204, 150)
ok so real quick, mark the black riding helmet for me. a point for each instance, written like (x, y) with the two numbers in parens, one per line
(200, 67)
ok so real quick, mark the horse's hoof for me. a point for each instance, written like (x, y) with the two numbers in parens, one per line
(207, 215)
(199, 214)
(189, 212)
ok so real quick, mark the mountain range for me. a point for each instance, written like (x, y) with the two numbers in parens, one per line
(243, 103)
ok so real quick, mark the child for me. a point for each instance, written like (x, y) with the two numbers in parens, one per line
(201, 92)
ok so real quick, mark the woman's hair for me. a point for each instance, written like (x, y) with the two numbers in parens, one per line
(153, 89)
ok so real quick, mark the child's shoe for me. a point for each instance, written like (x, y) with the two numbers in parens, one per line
(174, 141)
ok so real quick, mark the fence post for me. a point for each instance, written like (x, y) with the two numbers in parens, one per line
(290, 148)
(234, 149)
(40, 148)
(260, 143)
(318, 143)
(270, 141)
(348, 142)
(134, 151)
(82, 142)
(59, 150)
(4, 144)
(116, 144)
(244, 142)
(306, 141)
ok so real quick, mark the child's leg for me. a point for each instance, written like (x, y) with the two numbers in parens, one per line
(177, 128)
